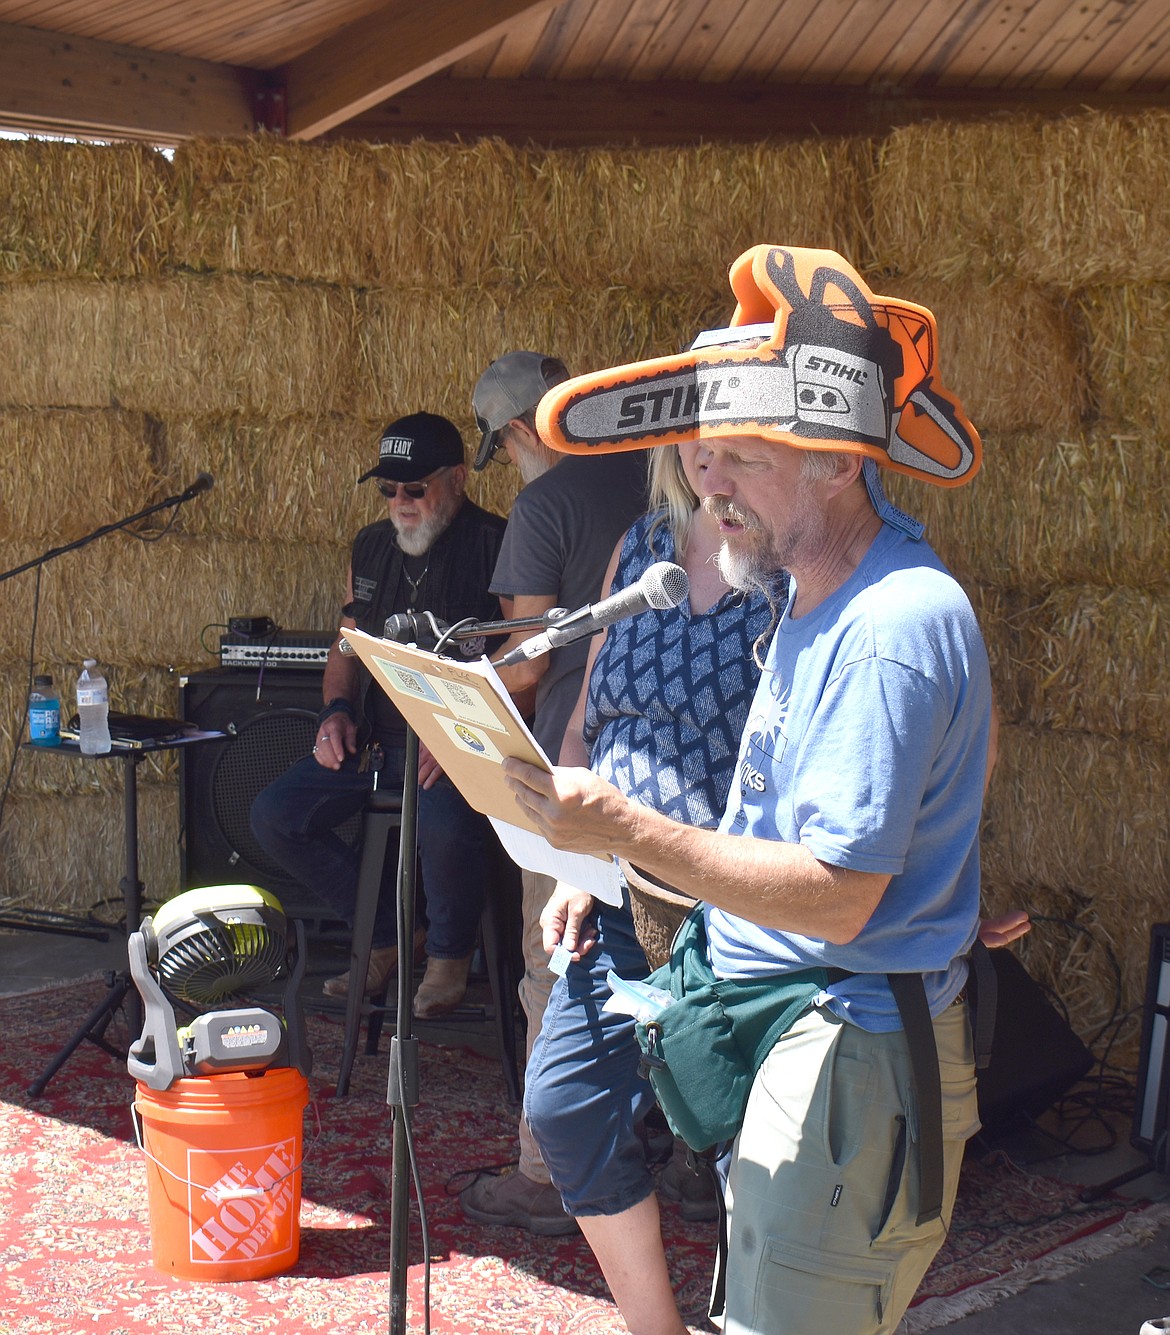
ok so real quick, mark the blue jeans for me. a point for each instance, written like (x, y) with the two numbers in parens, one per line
(295, 819)
(584, 1098)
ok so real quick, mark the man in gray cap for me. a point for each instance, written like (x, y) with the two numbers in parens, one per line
(561, 533)
(434, 551)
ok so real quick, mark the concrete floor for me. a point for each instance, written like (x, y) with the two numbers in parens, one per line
(1111, 1296)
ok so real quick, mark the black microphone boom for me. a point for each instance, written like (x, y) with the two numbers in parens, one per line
(662, 585)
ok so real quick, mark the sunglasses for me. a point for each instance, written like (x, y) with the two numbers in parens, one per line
(415, 490)
(498, 453)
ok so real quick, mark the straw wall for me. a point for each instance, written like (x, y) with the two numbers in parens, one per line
(259, 309)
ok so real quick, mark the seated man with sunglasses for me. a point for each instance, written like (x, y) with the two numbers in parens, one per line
(434, 552)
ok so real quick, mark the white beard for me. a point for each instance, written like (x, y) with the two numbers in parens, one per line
(419, 539)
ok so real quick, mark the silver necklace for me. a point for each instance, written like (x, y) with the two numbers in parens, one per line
(415, 583)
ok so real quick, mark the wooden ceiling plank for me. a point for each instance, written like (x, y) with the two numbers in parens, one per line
(953, 28)
(738, 52)
(1116, 48)
(560, 32)
(1146, 65)
(106, 88)
(810, 30)
(989, 51)
(669, 37)
(877, 33)
(378, 56)
(917, 36)
(512, 56)
(632, 37)
(579, 59)
(857, 45)
(712, 22)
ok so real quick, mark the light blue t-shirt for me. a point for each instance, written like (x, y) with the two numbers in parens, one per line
(867, 743)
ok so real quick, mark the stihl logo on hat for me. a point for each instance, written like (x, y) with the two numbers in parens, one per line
(396, 447)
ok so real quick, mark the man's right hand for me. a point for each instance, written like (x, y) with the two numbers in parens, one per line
(336, 739)
(566, 921)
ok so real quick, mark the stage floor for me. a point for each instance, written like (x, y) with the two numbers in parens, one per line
(1111, 1295)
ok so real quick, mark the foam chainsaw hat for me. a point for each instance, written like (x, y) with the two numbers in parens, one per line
(812, 358)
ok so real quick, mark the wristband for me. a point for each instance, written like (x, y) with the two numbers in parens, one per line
(338, 705)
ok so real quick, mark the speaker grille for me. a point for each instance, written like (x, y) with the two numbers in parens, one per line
(262, 749)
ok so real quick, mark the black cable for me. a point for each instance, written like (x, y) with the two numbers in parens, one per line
(32, 644)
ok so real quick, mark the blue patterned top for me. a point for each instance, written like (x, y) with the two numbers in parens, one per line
(669, 692)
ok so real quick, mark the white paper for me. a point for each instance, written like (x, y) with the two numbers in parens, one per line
(597, 877)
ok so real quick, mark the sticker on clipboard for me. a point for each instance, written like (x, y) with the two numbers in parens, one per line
(472, 740)
(407, 680)
(466, 701)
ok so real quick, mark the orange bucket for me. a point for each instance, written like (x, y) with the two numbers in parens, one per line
(223, 1173)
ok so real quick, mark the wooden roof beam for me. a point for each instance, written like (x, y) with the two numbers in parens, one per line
(75, 85)
(381, 55)
(568, 113)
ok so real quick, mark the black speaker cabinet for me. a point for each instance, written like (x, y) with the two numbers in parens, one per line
(266, 733)
(1036, 1058)
(1150, 1113)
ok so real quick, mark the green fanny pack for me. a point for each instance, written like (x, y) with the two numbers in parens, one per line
(702, 1051)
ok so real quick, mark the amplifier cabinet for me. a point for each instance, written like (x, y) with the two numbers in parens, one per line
(266, 733)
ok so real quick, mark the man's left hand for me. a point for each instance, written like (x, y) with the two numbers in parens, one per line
(573, 808)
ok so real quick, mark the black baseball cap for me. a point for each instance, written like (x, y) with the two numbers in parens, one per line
(416, 446)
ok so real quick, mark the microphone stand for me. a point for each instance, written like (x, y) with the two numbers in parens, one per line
(193, 490)
(402, 1087)
(62, 923)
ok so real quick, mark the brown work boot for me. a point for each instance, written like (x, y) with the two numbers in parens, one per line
(511, 1198)
(694, 1193)
(442, 989)
(383, 963)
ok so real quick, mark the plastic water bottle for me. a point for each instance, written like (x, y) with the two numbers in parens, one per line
(93, 711)
(44, 713)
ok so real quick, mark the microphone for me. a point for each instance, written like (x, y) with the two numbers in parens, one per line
(421, 628)
(663, 585)
(203, 482)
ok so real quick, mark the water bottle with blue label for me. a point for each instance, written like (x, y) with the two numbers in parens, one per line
(93, 711)
(44, 713)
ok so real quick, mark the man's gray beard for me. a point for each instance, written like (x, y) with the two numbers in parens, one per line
(744, 570)
(533, 462)
(419, 540)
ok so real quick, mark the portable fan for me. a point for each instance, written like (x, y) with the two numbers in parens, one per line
(219, 942)
(204, 948)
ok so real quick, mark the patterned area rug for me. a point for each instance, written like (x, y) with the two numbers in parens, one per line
(75, 1227)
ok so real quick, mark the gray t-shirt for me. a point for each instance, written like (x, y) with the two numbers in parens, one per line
(561, 532)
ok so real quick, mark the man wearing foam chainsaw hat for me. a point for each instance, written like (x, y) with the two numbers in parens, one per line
(843, 879)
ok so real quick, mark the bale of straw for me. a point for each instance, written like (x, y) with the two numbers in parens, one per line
(1082, 658)
(215, 345)
(66, 472)
(1094, 210)
(132, 604)
(664, 219)
(134, 690)
(432, 347)
(290, 477)
(1083, 507)
(948, 199)
(57, 342)
(1127, 340)
(1075, 811)
(83, 210)
(355, 214)
(66, 854)
(1010, 351)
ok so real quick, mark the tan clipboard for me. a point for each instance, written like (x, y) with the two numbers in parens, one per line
(458, 711)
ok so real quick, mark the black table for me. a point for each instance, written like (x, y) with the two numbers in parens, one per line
(121, 988)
